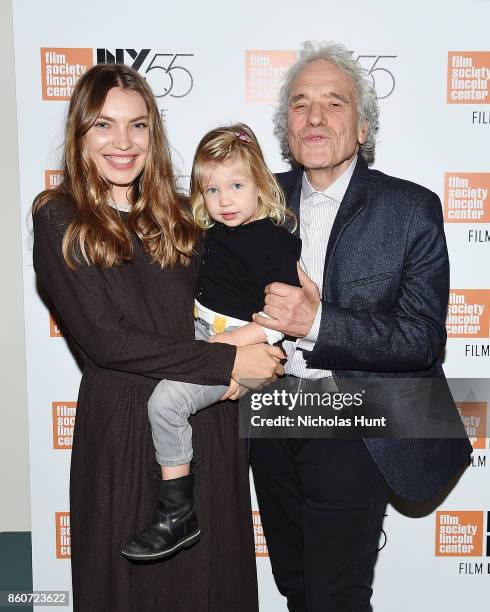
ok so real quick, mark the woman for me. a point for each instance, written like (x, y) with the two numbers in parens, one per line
(113, 248)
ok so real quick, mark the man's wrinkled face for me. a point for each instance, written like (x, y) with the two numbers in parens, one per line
(323, 123)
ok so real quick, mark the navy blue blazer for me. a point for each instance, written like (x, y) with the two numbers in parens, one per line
(385, 295)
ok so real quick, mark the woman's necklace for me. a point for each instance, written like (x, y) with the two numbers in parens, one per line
(124, 207)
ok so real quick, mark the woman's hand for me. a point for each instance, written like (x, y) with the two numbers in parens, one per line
(258, 364)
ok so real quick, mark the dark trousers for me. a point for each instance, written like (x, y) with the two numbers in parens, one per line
(322, 503)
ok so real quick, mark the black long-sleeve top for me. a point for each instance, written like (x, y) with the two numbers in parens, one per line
(238, 263)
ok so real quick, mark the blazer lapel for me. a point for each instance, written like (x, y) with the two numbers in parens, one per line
(354, 200)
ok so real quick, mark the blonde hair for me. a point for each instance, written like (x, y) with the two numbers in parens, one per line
(159, 216)
(222, 144)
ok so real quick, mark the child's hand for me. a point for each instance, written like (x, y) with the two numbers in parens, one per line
(224, 338)
(251, 333)
(232, 393)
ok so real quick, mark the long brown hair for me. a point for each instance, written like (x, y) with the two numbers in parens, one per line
(159, 216)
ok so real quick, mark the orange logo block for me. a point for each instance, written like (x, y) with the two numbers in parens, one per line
(61, 69)
(459, 533)
(468, 313)
(466, 197)
(52, 178)
(261, 549)
(474, 417)
(63, 535)
(54, 330)
(264, 71)
(468, 73)
(63, 423)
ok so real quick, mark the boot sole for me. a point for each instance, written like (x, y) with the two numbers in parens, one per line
(186, 543)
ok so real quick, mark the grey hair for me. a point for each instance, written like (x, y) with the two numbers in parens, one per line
(367, 101)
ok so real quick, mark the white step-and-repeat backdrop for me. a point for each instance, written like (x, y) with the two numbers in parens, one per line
(214, 62)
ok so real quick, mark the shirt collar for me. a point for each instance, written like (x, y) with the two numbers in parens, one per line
(335, 191)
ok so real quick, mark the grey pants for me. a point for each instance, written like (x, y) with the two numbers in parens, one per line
(170, 406)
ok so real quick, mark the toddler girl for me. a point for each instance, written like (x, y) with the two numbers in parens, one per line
(239, 204)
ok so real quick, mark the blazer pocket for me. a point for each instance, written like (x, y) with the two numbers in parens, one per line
(368, 280)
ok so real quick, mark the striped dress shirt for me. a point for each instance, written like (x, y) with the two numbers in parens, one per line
(317, 214)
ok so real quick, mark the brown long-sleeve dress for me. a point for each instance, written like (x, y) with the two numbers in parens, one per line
(132, 325)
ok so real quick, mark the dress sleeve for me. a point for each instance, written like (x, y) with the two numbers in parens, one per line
(102, 332)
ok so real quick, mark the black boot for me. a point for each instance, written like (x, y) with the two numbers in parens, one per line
(174, 525)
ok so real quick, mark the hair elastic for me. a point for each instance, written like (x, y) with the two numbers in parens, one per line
(243, 136)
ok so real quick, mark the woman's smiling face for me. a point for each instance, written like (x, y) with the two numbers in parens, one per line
(118, 140)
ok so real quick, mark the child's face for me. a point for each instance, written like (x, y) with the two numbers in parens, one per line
(230, 193)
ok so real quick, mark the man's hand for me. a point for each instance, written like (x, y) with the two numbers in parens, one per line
(293, 309)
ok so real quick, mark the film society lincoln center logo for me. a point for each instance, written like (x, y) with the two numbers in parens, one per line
(63, 535)
(264, 71)
(63, 415)
(52, 178)
(261, 549)
(468, 74)
(463, 533)
(474, 417)
(468, 313)
(466, 197)
(61, 69)
(54, 330)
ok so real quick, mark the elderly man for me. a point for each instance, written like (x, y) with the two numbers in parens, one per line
(374, 246)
